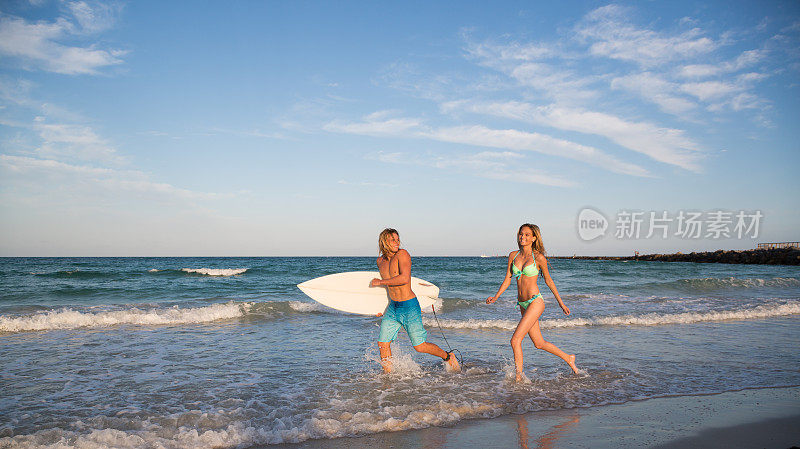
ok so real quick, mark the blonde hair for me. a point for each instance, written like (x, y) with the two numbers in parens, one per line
(538, 246)
(383, 241)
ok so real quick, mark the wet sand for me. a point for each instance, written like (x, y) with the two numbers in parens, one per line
(761, 418)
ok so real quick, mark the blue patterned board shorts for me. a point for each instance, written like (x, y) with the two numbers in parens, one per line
(406, 314)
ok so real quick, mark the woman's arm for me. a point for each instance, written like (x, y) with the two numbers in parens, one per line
(506, 281)
(541, 261)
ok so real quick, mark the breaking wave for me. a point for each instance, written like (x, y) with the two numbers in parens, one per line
(215, 271)
(68, 318)
(706, 284)
(649, 319)
(71, 319)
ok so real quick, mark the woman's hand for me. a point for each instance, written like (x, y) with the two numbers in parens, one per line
(491, 299)
(565, 309)
(379, 315)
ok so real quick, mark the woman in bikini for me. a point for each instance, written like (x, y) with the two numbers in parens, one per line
(525, 265)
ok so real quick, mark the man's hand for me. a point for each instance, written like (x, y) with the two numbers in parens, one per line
(375, 283)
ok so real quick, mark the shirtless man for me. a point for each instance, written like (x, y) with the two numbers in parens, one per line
(403, 309)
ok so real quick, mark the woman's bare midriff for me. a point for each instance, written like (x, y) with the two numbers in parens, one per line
(527, 288)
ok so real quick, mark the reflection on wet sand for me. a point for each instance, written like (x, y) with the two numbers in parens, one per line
(547, 440)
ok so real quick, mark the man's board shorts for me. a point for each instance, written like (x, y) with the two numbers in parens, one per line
(407, 314)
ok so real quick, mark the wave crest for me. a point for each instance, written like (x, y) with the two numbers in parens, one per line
(215, 271)
(705, 284)
(650, 319)
(72, 319)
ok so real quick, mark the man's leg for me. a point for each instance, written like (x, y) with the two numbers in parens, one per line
(385, 349)
(418, 335)
(388, 332)
(430, 348)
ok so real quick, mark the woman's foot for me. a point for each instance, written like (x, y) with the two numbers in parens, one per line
(571, 362)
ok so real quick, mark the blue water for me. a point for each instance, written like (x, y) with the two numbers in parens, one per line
(199, 352)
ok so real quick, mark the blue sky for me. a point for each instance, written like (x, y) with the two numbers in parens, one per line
(304, 128)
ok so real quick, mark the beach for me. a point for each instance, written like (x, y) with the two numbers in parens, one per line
(227, 352)
(763, 418)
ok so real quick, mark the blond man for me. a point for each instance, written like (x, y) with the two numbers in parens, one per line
(403, 310)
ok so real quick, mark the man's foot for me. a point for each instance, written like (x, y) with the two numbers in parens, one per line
(451, 363)
(387, 365)
(571, 362)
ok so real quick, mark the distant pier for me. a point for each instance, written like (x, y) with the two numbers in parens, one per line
(778, 245)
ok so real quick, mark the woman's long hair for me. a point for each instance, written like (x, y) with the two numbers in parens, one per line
(538, 246)
(383, 241)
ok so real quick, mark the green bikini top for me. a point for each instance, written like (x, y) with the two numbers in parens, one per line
(530, 271)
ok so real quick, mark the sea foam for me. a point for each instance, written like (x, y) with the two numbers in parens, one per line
(649, 319)
(710, 283)
(298, 306)
(67, 318)
(215, 271)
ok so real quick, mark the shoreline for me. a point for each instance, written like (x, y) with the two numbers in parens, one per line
(777, 256)
(763, 417)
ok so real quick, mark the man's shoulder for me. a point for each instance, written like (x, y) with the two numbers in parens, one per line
(401, 255)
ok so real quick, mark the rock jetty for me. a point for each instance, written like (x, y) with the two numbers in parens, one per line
(776, 256)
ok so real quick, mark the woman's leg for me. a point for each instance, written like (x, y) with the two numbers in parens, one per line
(530, 317)
(539, 341)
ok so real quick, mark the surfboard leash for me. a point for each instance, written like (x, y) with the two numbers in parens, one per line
(459, 357)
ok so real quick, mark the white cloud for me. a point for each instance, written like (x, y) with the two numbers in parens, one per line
(534, 65)
(503, 165)
(498, 165)
(36, 45)
(368, 184)
(671, 69)
(389, 158)
(66, 176)
(514, 51)
(744, 60)
(709, 90)
(75, 142)
(610, 34)
(390, 127)
(94, 16)
(65, 141)
(408, 77)
(699, 70)
(665, 145)
(734, 94)
(494, 138)
(656, 89)
(541, 143)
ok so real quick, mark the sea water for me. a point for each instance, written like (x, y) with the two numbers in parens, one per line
(199, 352)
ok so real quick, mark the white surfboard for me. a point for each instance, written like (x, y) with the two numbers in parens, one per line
(350, 292)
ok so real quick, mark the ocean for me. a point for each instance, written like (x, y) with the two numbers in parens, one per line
(202, 352)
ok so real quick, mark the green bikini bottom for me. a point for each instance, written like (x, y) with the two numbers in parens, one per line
(524, 304)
